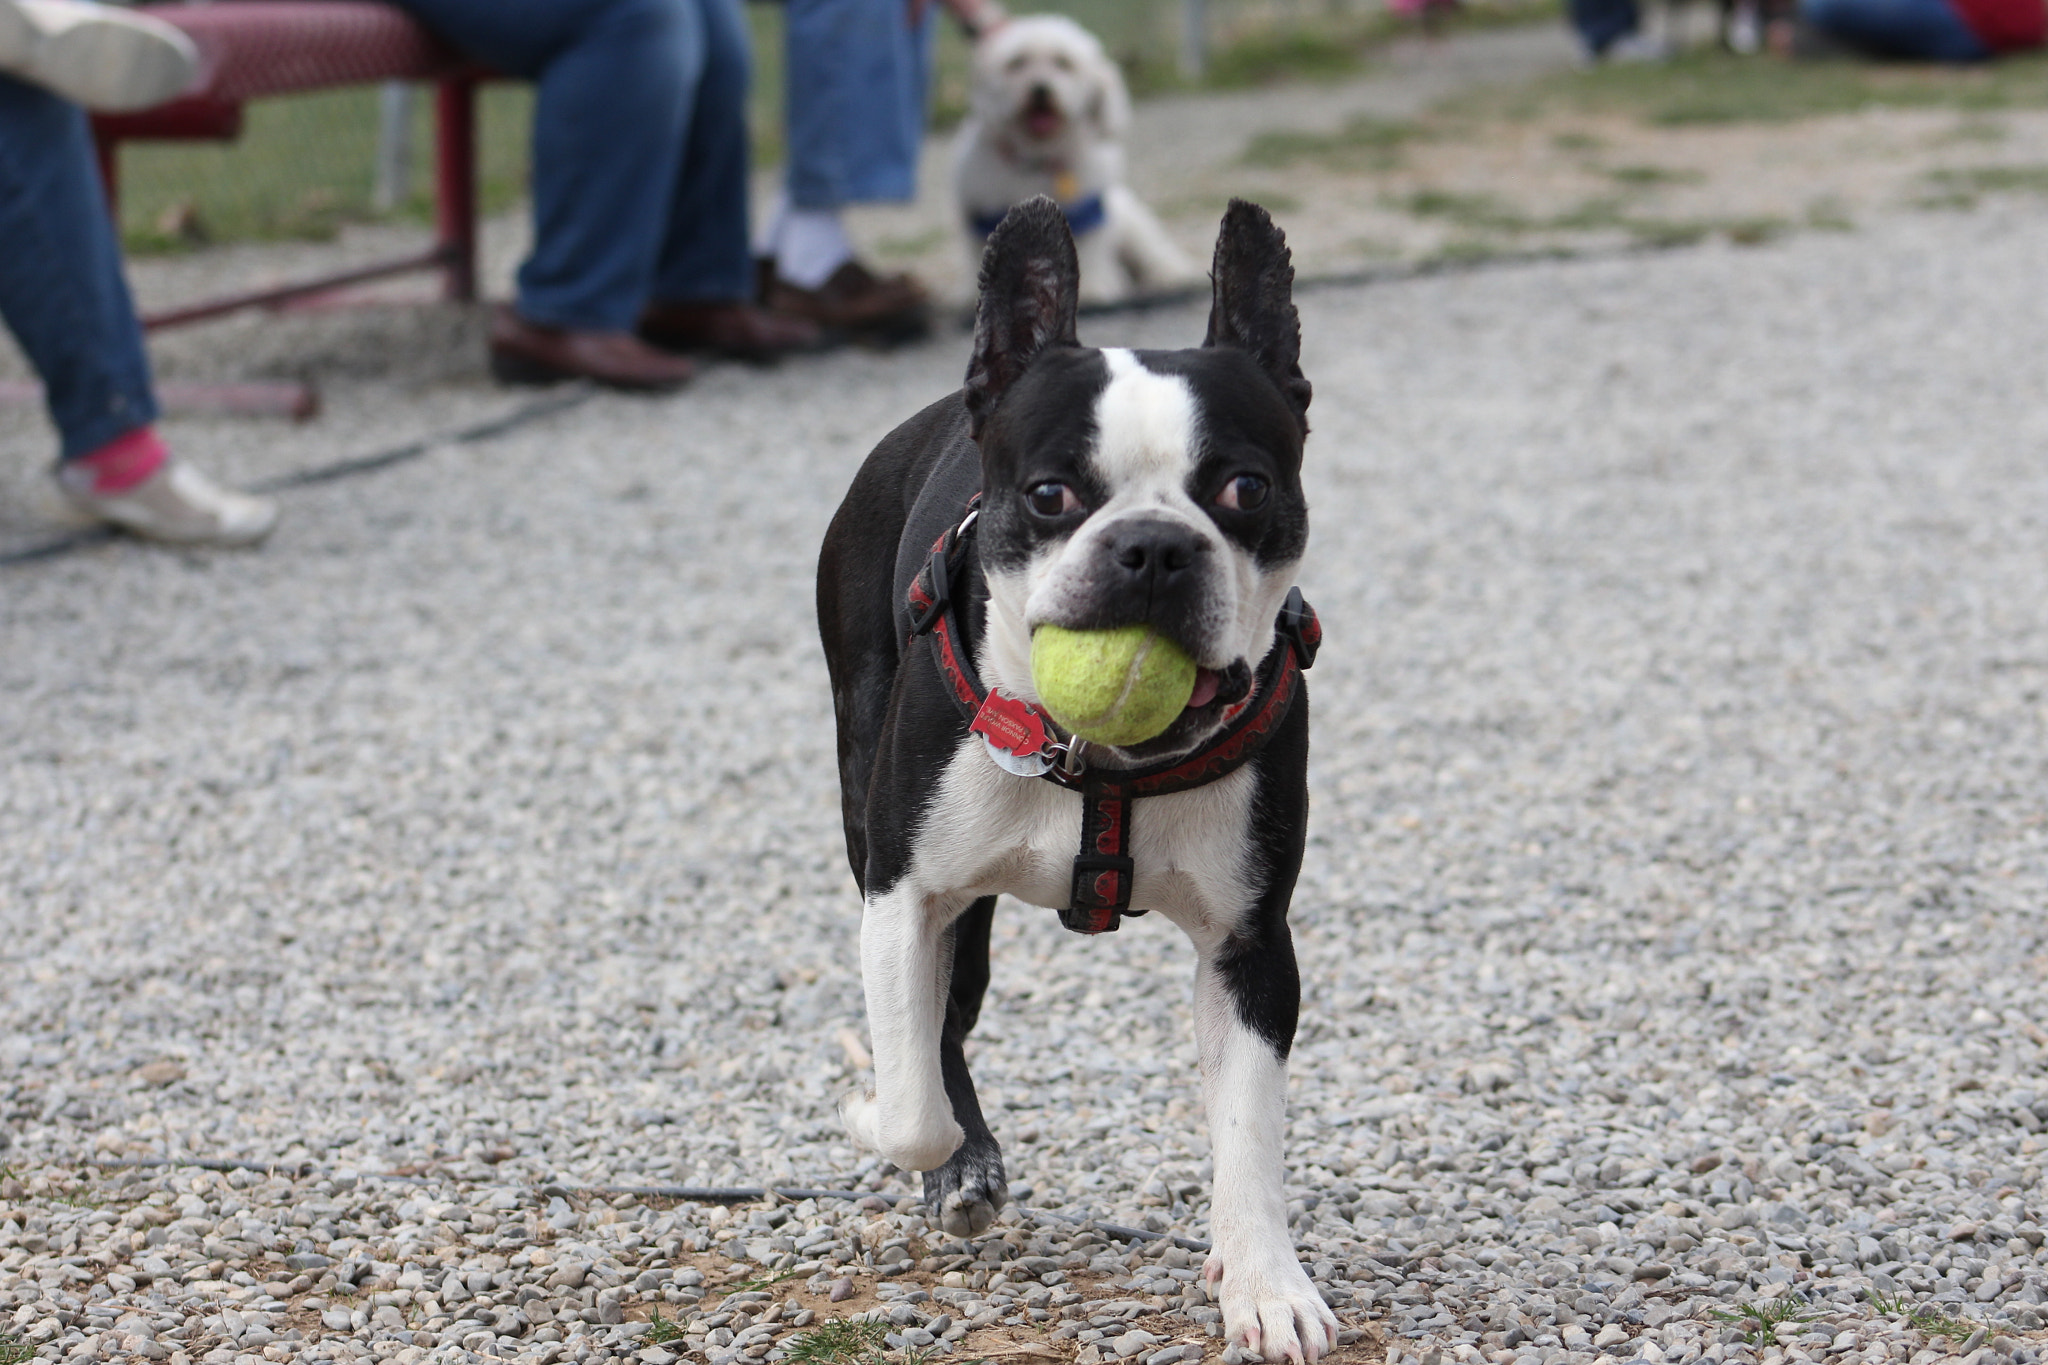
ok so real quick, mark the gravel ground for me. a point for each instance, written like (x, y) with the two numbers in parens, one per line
(1670, 930)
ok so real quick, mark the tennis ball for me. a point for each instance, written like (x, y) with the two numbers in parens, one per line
(1115, 687)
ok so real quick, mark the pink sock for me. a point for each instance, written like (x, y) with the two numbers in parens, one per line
(125, 461)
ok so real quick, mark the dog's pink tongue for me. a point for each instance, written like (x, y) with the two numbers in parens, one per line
(1042, 122)
(1207, 680)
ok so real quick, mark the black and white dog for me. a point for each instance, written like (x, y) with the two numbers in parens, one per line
(1089, 489)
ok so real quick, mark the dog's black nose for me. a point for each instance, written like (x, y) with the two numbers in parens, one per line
(1153, 552)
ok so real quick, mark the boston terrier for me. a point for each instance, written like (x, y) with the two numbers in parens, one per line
(1088, 489)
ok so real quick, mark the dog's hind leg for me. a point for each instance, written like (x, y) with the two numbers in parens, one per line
(966, 1193)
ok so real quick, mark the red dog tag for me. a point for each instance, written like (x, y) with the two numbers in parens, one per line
(1010, 725)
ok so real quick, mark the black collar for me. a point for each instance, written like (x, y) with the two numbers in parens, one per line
(1036, 746)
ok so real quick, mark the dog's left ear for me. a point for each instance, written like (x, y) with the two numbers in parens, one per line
(1252, 288)
(1030, 295)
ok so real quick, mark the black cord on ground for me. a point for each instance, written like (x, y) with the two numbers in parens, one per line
(340, 469)
(696, 1194)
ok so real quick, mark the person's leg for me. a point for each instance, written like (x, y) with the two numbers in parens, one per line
(856, 123)
(1603, 23)
(61, 289)
(617, 81)
(856, 82)
(704, 254)
(63, 296)
(1916, 30)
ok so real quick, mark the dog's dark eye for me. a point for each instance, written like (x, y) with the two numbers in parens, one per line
(1052, 499)
(1245, 493)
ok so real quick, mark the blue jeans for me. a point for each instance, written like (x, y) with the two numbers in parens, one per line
(1602, 23)
(61, 289)
(639, 148)
(856, 100)
(1916, 30)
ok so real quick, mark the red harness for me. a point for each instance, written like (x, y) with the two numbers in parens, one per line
(1103, 869)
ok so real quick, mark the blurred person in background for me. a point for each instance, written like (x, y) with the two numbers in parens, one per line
(639, 188)
(856, 82)
(1612, 31)
(61, 288)
(1922, 30)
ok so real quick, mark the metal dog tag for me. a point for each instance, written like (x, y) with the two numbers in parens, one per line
(1014, 734)
(1023, 765)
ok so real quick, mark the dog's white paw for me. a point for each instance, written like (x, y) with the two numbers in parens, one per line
(1269, 1306)
(917, 1146)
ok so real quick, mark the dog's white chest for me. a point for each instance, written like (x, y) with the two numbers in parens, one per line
(989, 832)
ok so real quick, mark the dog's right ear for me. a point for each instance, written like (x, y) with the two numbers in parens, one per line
(1030, 295)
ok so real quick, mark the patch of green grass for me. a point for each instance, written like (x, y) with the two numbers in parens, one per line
(1829, 215)
(1466, 251)
(1975, 180)
(1978, 130)
(1759, 1322)
(1305, 46)
(1479, 211)
(660, 1329)
(841, 1341)
(758, 1282)
(1293, 52)
(1577, 142)
(1705, 87)
(1486, 214)
(1645, 177)
(1365, 143)
(1928, 1319)
(13, 1350)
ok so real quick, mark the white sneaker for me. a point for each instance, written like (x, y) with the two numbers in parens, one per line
(95, 55)
(177, 504)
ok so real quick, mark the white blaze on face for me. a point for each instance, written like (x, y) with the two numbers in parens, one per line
(1147, 430)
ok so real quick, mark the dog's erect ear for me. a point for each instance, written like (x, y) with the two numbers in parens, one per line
(1030, 293)
(1252, 287)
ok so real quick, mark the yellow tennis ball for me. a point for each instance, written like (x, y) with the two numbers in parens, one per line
(1115, 687)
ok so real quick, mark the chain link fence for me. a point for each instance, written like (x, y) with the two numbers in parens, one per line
(306, 165)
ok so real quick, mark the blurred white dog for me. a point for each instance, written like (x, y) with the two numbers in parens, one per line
(1047, 116)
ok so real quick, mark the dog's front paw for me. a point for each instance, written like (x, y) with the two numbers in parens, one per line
(916, 1146)
(968, 1191)
(1269, 1306)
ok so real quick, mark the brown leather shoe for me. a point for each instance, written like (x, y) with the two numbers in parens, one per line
(855, 303)
(737, 330)
(523, 352)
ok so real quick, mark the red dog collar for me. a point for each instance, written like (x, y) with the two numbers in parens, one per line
(1103, 868)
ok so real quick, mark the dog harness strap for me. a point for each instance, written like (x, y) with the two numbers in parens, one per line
(1103, 870)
